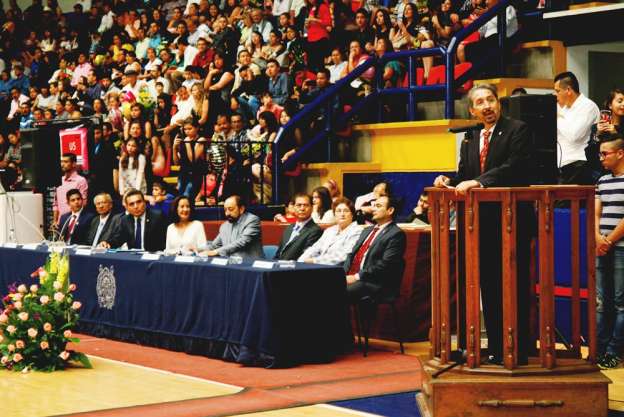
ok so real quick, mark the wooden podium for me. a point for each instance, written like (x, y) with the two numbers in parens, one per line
(555, 382)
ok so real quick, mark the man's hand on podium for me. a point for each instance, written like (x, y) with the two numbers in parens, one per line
(465, 186)
(441, 181)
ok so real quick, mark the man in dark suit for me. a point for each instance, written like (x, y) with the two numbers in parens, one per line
(101, 226)
(497, 156)
(377, 257)
(142, 228)
(74, 225)
(301, 235)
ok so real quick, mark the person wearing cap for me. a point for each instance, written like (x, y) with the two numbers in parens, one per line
(133, 84)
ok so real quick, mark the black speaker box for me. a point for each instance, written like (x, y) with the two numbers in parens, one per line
(539, 112)
(41, 158)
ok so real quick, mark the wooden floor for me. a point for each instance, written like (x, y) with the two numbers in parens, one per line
(112, 384)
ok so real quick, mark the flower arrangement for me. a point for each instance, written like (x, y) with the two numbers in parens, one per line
(37, 321)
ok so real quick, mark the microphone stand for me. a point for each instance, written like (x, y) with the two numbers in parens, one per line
(458, 357)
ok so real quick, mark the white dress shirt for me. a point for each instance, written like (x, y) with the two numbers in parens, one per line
(574, 125)
(491, 130)
(99, 229)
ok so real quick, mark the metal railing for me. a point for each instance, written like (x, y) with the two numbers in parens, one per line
(333, 121)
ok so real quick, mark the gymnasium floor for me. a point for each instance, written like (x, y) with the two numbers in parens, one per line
(131, 380)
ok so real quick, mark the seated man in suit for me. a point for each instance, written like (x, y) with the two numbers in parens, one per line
(377, 257)
(101, 226)
(301, 235)
(240, 235)
(142, 228)
(74, 225)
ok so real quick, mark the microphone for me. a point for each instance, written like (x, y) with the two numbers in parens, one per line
(60, 234)
(477, 126)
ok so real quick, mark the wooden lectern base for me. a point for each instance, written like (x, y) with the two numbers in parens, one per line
(460, 394)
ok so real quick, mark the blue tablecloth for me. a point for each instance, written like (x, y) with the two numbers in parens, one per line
(272, 318)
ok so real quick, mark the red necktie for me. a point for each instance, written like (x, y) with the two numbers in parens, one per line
(484, 150)
(70, 227)
(357, 260)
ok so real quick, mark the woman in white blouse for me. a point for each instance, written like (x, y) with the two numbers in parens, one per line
(322, 206)
(184, 235)
(337, 241)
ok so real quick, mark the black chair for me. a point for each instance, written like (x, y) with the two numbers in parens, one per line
(365, 311)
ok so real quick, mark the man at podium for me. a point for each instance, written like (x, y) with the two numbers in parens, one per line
(496, 153)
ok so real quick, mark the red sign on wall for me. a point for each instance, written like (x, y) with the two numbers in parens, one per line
(75, 141)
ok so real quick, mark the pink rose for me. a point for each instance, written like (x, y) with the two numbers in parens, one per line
(34, 288)
(20, 344)
(17, 296)
(32, 332)
(22, 289)
(47, 327)
(44, 345)
(17, 357)
(4, 360)
(4, 318)
(11, 329)
(58, 296)
(44, 299)
(23, 316)
(42, 273)
(72, 287)
(18, 305)
(11, 347)
(67, 334)
(76, 305)
(64, 355)
(57, 285)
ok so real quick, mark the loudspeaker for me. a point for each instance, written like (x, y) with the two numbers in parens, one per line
(539, 112)
(41, 157)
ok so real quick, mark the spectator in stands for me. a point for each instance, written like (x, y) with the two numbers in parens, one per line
(445, 22)
(411, 33)
(376, 260)
(575, 116)
(132, 165)
(218, 84)
(160, 198)
(260, 24)
(74, 225)
(337, 66)
(296, 50)
(289, 213)
(101, 227)
(301, 235)
(268, 106)
(240, 235)
(614, 103)
(82, 69)
(279, 83)
(322, 206)
(337, 241)
(17, 99)
(364, 204)
(274, 48)
(609, 249)
(19, 79)
(317, 22)
(364, 34)
(382, 24)
(184, 235)
(70, 180)
(190, 154)
(142, 228)
(263, 135)
(238, 132)
(26, 119)
(12, 152)
(420, 213)
(103, 168)
(246, 96)
(358, 86)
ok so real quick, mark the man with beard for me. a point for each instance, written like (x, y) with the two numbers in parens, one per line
(240, 235)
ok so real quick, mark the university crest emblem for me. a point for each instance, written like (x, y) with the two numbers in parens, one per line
(106, 287)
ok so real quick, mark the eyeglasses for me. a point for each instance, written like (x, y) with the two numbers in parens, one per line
(604, 154)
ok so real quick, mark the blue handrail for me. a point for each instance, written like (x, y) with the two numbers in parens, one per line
(324, 100)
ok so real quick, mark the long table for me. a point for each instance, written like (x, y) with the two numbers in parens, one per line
(414, 303)
(264, 317)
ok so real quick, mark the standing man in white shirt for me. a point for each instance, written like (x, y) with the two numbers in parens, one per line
(575, 116)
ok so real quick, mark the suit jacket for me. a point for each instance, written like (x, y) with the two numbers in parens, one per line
(384, 260)
(243, 238)
(107, 230)
(309, 234)
(508, 160)
(81, 228)
(154, 235)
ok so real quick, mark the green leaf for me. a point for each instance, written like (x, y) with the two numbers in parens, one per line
(83, 359)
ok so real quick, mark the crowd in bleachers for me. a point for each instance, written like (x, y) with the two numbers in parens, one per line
(199, 84)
